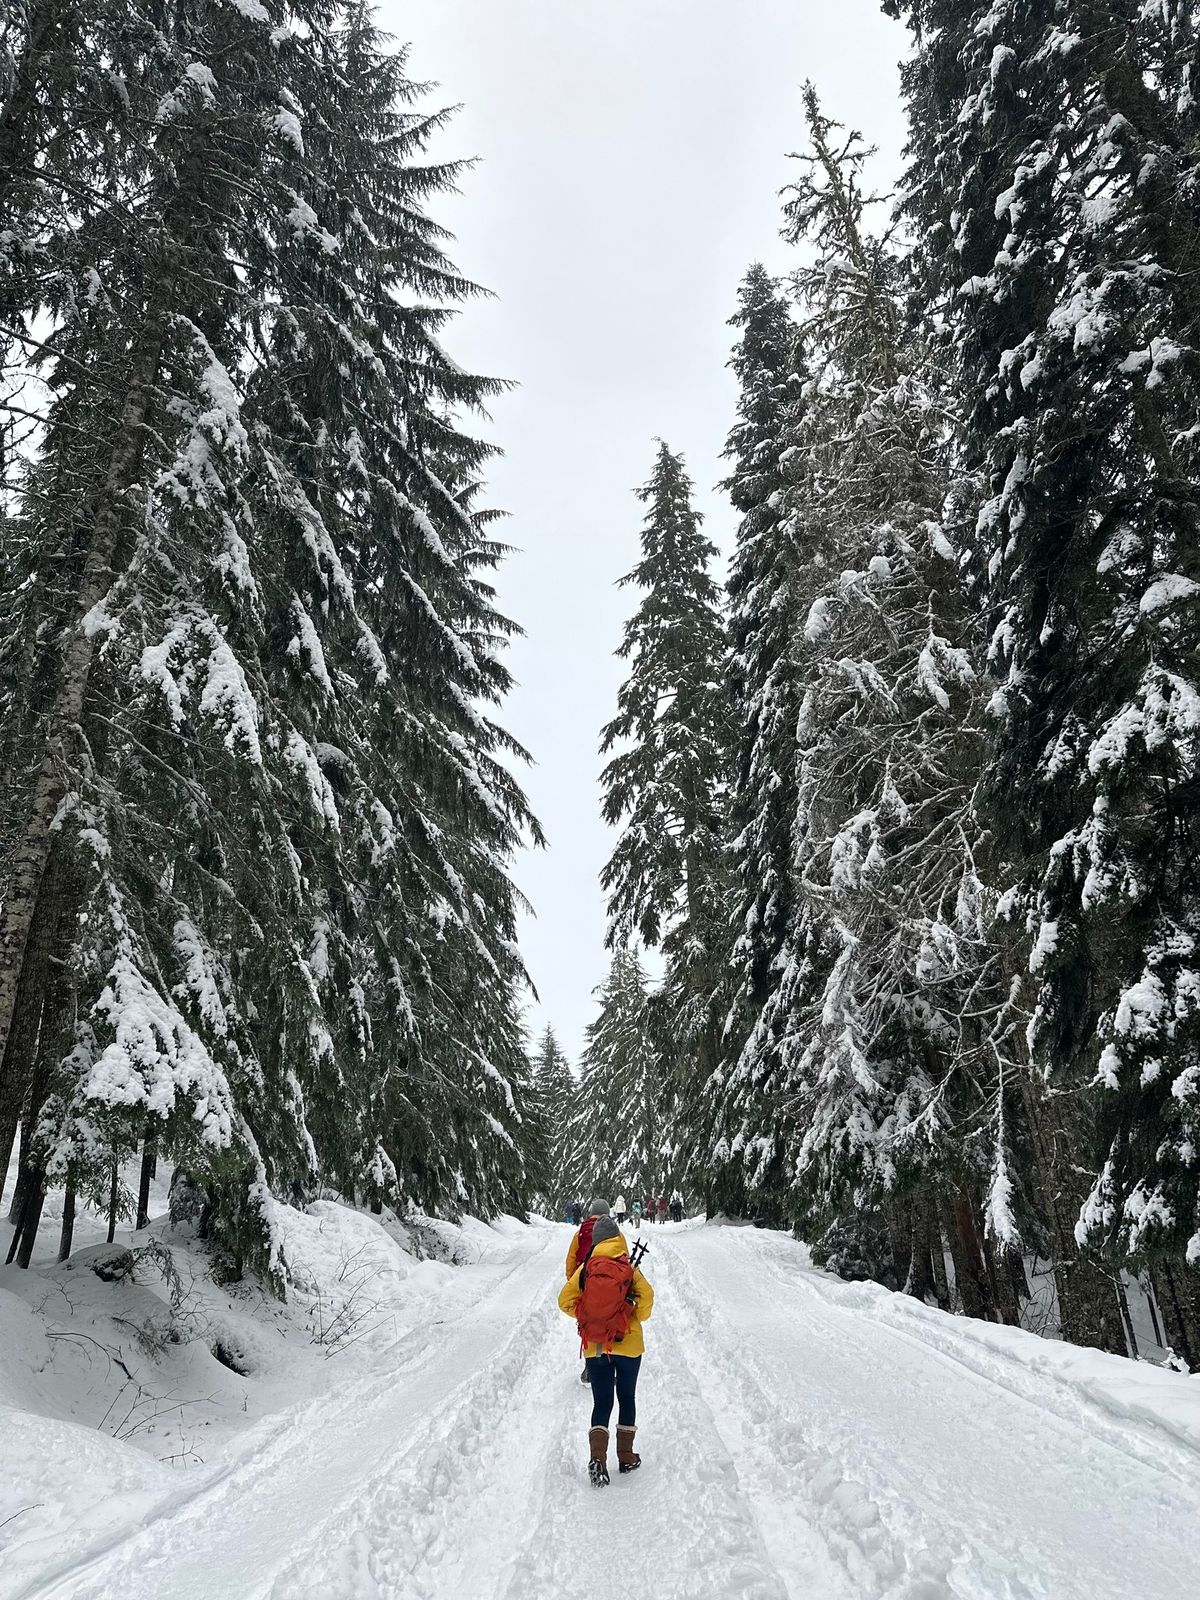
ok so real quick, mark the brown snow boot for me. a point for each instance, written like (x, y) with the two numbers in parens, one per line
(628, 1459)
(598, 1465)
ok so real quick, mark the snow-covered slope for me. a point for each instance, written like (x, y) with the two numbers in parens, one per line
(801, 1438)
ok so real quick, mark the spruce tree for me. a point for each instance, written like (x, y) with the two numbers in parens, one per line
(281, 810)
(764, 705)
(618, 1118)
(663, 786)
(554, 1107)
(1053, 183)
(891, 933)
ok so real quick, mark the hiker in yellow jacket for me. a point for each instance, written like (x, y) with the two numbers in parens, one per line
(581, 1239)
(609, 1310)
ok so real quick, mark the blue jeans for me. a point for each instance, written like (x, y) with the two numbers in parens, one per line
(607, 1374)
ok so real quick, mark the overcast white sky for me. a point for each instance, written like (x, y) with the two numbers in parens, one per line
(630, 158)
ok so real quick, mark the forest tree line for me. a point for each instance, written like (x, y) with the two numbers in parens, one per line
(906, 812)
(257, 920)
(911, 811)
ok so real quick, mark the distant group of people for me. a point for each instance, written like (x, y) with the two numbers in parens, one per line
(648, 1210)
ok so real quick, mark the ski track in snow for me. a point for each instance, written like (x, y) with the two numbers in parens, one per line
(803, 1439)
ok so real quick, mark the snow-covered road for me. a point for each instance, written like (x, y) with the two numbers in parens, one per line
(801, 1438)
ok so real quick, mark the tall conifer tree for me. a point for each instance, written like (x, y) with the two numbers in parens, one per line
(765, 702)
(264, 808)
(1055, 151)
(619, 1120)
(663, 786)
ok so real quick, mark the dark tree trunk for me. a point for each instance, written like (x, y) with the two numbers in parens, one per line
(920, 1272)
(1126, 1318)
(25, 1236)
(1178, 1291)
(1160, 1337)
(114, 1189)
(970, 1271)
(20, 1052)
(1019, 1278)
(146, 1177)
(1087, 1296)
(899, 1226)
(66, 1237)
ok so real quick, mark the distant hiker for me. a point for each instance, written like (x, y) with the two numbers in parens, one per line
(575, 1213)
(581, 1240)
(676, 1209)
(619, 1210)
(649, 1212)
(609, 1299)
(637, 1215)
(662, 1208)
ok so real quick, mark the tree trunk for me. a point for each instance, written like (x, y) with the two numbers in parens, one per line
(920, 1271)
(937, 1254)
(1003, 1284)
(67, 1235)
(899, 1227)
(33, 850)
(149, 1168)
(9, 1122)
(1178, 1291)
(25, 1237)
(21, 1051)
(1160, 1337)
(970, 1272)
(114, 1191)
(1022, 1294)
(1126, 1318)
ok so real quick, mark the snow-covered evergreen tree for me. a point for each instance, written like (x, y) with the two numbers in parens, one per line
(618, 1122)
(765, 701)
(663, 786)
(890, 933)
(1055, 153)
(764, 712)
(554, 1102)
(851, 1073)
(265, 810)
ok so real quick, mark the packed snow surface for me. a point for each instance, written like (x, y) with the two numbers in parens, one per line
(801, 1437)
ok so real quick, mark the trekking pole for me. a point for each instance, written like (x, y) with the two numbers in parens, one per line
(636, 1256)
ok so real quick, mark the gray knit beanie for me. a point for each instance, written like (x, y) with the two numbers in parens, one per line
(598, 1208)
(605, 1228)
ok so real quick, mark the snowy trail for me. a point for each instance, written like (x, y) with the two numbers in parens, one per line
(802, 1438)
(933, 1470)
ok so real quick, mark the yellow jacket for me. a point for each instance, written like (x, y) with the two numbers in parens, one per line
(633, 1344)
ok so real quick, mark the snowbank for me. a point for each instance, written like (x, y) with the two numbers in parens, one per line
(131, 1379)
(1137, 1392)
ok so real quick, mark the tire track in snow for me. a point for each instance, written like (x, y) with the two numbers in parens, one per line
(437, 1518)
(979, 1496)
(685, 1517)
(805, 1498)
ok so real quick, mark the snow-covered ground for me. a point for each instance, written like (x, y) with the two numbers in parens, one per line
(801, 1437)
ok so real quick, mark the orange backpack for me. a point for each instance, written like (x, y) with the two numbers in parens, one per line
(604, 1311)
